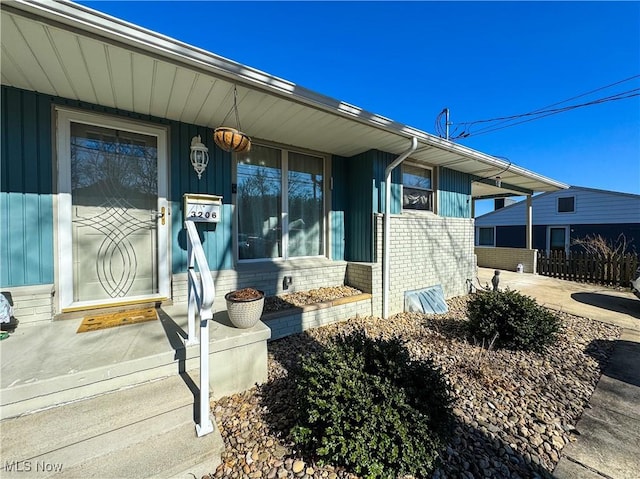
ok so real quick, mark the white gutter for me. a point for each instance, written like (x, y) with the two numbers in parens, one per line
(386, 227)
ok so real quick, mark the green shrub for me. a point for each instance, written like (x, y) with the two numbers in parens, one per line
(517, 320)
(365, 404)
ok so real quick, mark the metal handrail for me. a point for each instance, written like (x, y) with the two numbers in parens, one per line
(201, 291)
(204, 288)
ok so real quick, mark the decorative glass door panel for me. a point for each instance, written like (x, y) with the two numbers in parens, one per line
(114, 219)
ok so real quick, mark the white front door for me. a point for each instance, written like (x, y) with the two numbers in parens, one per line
(112, 211)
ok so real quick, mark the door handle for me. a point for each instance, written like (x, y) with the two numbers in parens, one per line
(160, 214)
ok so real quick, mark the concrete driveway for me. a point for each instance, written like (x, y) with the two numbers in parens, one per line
(608, 438)
(608, 305)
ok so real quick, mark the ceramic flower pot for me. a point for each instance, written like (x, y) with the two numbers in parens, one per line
(244, 307)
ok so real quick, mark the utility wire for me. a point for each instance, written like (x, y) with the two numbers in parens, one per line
(539, 113)
(545, 113)
(553, 104)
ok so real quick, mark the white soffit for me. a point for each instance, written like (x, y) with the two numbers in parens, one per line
(68, 50)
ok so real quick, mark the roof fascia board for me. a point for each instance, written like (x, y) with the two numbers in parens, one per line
(507, 186)
(493, 197)
(91, 21)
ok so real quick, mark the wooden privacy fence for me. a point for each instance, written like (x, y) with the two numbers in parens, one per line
(611, 270)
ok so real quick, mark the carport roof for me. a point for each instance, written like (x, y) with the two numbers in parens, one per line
(71, 51)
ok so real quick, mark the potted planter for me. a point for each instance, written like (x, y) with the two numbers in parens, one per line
(245, 307)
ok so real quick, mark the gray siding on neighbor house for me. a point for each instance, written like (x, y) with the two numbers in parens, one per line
(605, 213)
(28, 184)
(591, 207)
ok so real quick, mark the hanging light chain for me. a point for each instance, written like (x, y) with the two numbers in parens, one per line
(234, 109)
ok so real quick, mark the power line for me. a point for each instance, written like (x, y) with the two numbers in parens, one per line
(553, 104)
(545, 113)
(538, 113)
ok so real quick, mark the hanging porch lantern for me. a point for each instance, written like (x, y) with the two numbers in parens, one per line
(199, 155)
(229, 138)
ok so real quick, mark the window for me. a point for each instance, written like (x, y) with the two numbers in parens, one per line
(557, 238)
(486, 236)
(417, 188)
(566, 204)
(276, 225)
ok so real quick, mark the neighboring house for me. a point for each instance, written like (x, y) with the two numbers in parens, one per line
(98, 116)
(561, 217)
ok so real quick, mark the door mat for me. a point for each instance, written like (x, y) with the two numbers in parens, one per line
(111, 320)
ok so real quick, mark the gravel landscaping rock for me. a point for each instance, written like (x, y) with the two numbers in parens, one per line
(514, 411)
(302, 298)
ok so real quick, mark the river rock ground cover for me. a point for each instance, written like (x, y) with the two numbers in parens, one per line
(514, 411)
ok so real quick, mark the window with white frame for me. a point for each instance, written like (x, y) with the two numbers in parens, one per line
(486, 236)
(566, 204)
(276, 225)
(417, 188)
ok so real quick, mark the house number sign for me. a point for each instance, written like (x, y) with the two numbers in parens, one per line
(202, 208)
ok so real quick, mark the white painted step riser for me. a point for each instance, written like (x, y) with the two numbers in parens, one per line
(145, 449)
(143, 431)
(233, 368)
(25, 399)
(36, 434)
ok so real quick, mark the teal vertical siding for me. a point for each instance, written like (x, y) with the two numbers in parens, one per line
(358, 194)
(380, 160)
(358, 215)
(216, 180)
(27, 187)
(454, 193)
(26, 207)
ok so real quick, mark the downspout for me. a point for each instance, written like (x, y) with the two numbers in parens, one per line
(387, 213)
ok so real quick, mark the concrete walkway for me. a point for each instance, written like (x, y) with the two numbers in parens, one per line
(608, 444)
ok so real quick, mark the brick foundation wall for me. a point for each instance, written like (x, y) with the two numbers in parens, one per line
(32, 304)
(269, 277)
(427, 250)
(286, 323)
(507, 259)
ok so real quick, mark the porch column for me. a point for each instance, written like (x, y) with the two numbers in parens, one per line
(528, 228)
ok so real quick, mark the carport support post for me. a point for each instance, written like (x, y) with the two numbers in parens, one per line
(529, 239)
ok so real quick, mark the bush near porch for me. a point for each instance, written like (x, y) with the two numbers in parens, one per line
(513, 410)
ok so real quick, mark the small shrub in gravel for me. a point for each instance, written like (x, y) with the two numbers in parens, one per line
(364, 404)
(517, 320)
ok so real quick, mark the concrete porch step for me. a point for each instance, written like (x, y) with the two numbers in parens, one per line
(143, 431)
(50, 365)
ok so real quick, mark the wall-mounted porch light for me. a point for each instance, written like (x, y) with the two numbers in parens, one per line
(199, 155)
(498, 181)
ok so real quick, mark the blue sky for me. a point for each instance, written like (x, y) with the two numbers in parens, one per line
(483, 60)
